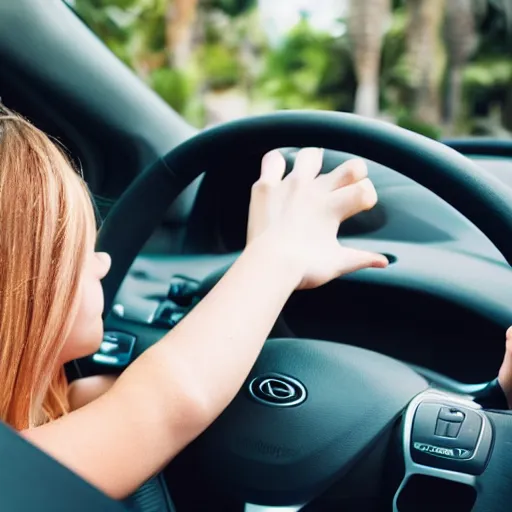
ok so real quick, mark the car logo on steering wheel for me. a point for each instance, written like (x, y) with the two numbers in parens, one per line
(277, 390)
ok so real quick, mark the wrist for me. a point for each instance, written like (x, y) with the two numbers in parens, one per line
(278, 257)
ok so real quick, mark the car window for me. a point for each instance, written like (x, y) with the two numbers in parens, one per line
(442, 68)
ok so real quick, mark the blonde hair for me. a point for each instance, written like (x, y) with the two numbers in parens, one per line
(46, 222)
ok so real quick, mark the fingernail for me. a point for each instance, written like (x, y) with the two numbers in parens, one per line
(272, 157)
(313, 149)
(381, 263)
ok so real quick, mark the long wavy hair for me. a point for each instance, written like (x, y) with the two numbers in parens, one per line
(46, 221)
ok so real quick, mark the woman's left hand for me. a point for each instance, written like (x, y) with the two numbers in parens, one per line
(304, 210)
(505, 374)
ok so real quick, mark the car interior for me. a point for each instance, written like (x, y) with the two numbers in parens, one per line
(386, 356)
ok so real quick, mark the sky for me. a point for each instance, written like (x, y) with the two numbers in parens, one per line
(279, 16)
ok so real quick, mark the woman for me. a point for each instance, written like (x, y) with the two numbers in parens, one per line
(116, 434)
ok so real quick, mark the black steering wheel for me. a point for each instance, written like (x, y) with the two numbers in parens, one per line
(310, 409)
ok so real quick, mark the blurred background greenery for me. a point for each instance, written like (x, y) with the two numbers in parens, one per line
(439, 67)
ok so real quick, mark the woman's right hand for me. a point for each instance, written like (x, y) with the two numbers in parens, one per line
(301, 214)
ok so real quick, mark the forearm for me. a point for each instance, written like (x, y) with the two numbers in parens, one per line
(209, 354)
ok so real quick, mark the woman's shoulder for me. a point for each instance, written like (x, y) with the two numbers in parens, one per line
(85, 390)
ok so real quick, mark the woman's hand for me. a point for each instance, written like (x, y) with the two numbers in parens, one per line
(505, 374)
(302, 212)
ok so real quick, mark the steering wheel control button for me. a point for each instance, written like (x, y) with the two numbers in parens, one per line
(441, 428)
(108, 346)
(116, 349)
(277, 390)
(447, 437)
(449, 422)
(429, 427)
(451, 414)
(453, 429)
(118, 310)
(182, 290)
(168, 314)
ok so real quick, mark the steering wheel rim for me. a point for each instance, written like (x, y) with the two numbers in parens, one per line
(474, 192)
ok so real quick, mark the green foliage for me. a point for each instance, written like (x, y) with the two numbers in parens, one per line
(415, 125)
(487, 80)
(101, 4)
(130, 28)
(221, 68)
(232, 8)
(486, 84)
(488, 73)
(179, 88)
(309, 70)
(174, 86)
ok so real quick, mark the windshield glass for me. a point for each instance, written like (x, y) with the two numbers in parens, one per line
(439, 67)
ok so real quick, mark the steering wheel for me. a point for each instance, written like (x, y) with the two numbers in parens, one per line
(311, 410)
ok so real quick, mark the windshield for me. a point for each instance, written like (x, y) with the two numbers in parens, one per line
(439, 67)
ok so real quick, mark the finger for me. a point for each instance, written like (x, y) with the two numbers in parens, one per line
(105, 262)
(273, 166)
(505, 372)
(353, 199)
(349, 172)
(308, 164)
(356, 259)
(509, 342)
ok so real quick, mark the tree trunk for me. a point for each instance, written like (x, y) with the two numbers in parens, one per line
(461, 39)
(180, 19)
(366, 25)
(507, 109)
(425, 60)
(453, 101)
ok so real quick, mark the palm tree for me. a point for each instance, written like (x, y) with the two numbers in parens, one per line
(180, 21)
(367, 22)
(425, 58)
(461, 39)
